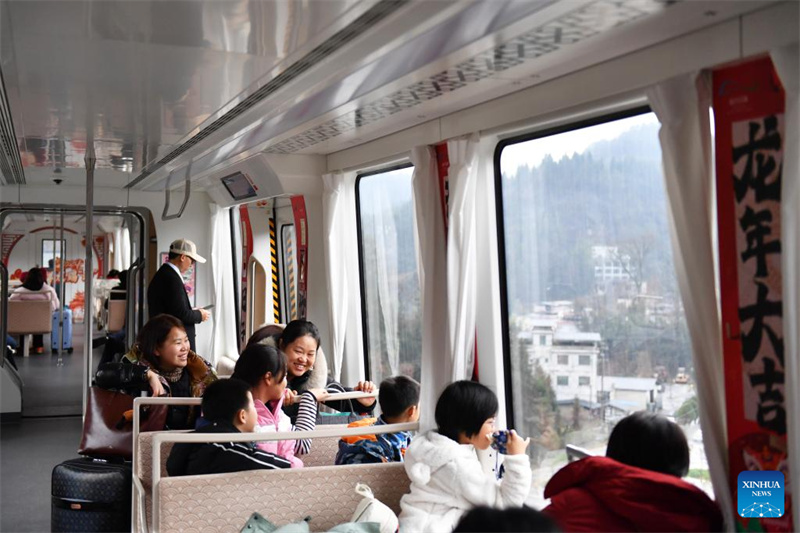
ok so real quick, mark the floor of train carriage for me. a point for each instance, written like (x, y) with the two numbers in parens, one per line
(51, 389)
(48, 434)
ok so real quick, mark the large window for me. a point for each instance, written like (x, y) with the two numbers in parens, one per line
(585, 248)
(51, 249)
(390, 284)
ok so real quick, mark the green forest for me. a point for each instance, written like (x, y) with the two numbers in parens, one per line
(610, 195)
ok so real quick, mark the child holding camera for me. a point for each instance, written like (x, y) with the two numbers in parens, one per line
(446, 475)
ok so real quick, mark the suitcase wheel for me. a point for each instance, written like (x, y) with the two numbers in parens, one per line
(69, 350)
(55, 352)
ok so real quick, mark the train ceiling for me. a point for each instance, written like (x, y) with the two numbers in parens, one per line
(160, 84)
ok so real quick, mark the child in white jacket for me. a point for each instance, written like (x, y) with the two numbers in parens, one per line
(447, 478)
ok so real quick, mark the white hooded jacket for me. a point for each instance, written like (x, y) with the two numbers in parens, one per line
(447, 480)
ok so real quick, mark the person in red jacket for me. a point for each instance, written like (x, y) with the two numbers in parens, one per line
(636, 487)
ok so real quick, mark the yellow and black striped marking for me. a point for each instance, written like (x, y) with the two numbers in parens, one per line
(273, 259)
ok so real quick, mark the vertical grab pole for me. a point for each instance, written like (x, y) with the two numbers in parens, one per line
(88, 304)
(4, 306)
(61, 253)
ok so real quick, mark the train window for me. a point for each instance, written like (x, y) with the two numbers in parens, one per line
(585, 249)
(389, 281)
(289, 270)
(52, 248)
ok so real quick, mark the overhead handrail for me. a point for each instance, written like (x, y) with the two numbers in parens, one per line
(187, 190)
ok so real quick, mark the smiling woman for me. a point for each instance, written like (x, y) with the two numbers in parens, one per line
(307, 368)
(162, 363)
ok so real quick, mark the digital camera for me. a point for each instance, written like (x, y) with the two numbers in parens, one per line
(500, 440)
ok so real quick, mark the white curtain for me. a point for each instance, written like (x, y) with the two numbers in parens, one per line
(432, 267)
(380, 258)
(223, 336)
(786, 62)
(682, 106)
(116, 238)
(125, 248)
(462, 255)
(341, 259)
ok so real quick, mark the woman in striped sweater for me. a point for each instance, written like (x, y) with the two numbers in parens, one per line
(263, 367)
(307, 367)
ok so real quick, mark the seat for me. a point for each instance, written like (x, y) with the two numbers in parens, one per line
(29, 317)
(116, 315)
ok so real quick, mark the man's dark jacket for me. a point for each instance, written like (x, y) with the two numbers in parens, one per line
(221, 457)
(167, 294)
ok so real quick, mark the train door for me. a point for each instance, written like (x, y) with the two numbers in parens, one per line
(55, 363)
(273, 254)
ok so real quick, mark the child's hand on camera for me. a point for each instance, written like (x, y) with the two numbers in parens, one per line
(516, 445)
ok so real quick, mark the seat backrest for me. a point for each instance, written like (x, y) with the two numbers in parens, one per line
(116, 315)
(144, 469)
(29, 317)
(323, 451)
(224, 502)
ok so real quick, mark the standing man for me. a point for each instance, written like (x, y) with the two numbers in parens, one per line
(167, 294)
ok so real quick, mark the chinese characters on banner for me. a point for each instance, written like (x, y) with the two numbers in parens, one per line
(748, 113)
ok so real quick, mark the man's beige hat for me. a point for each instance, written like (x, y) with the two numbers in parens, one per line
(186, 247)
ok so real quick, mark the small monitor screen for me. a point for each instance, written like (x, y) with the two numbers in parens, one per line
(239, 187)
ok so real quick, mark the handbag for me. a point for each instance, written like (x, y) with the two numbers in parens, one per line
(108, 424)
(372, 510)
(326, 418)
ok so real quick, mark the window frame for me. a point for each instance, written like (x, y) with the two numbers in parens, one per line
(582, 358)
(587, 379)
(361, 280)
(63, 250)
(560, 378)
(501, 233)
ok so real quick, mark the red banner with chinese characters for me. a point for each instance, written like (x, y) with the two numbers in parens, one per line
(443, 170)
(749, 121)
(301, 230)
(247, 250)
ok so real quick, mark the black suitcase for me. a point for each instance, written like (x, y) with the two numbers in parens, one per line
(91, 495)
